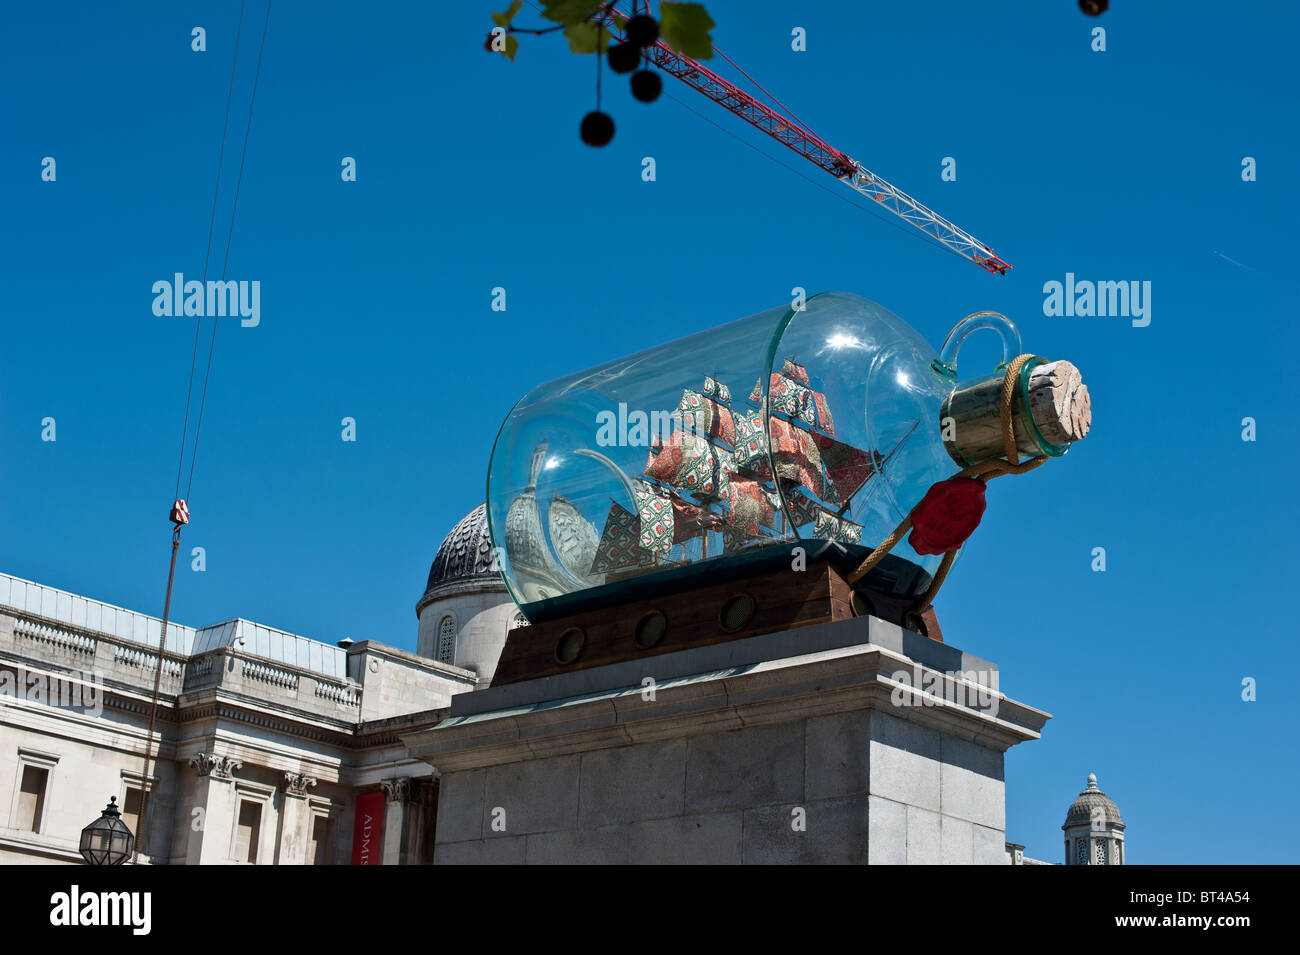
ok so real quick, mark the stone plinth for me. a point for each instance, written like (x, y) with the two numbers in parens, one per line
(849, 742)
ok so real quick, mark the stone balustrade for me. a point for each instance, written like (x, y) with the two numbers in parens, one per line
(124, 662)
(54, 637)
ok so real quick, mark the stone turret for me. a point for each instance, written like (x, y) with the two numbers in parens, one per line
(1094, 830)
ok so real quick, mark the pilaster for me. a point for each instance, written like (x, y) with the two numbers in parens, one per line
(213, 796)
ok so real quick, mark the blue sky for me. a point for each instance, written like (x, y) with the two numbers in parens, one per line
(1122, 165)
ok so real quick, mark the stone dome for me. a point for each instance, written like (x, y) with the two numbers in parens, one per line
(464, 562)
(1081, 810)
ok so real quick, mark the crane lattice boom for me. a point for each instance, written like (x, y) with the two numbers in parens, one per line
(816, 150)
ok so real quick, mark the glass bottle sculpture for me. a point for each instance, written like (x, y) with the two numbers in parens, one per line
(712, 456)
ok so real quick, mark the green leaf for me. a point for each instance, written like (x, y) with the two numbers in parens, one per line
(503, 19)
(569, 12)
(583, 38)
(685, 27)
(512, 47)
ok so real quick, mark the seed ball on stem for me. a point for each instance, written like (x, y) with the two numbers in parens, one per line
(597, 128)
(623, 58)
(646, 85)
(642, 30)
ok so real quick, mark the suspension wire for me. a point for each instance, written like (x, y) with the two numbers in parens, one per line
(180, 512)
(212, 221)
(239, 180)
(837, 193)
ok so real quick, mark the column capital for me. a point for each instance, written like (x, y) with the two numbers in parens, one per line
(396, 790)
(218, 767)
(297, 784)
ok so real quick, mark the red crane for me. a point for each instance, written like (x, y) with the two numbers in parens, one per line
(794, 134)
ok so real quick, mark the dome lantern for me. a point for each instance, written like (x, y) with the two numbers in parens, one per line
(1094, 829)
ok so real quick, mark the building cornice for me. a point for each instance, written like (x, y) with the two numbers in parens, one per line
(461, 588)
(778, 691)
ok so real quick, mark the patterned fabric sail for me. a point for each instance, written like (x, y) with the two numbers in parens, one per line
(620, 546)
(802, 511)
(701, 415)
(716, 389)
(846, 467)
(824, 419)
(794, 398)
(796, 456)
(750, 507)
(751, 443)
(798, 372)
(713, 473)
(655, 510)
(686, 461)
(829, 527)
(789, 397)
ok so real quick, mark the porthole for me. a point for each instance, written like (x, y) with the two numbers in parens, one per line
(736, 613)
(650, 629)
(569, 647)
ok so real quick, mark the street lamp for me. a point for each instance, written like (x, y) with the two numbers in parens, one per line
(107, 840)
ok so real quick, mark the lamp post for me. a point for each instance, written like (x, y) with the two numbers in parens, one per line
(107, 840)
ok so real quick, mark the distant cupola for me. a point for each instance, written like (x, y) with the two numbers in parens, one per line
(1094, 831)
(465, 611)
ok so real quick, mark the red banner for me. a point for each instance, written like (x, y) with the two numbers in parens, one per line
(367, 834)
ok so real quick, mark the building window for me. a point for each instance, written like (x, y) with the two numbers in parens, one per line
(318, 848)
(1081, 851)
(1100, 853)
(31, 798)
(248, 831)
(131, 810)
(447, 639)
(519, 621)
(31, 789)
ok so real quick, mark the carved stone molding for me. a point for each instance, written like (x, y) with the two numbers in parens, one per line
(297, 784)
(396, 790)
(221, 767)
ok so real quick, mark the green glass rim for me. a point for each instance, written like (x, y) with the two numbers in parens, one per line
(1052, 450)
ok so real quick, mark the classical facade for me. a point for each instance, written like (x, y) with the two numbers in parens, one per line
(275, 749)
(266, 743)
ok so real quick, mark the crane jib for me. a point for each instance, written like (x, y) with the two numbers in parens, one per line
(793, 134)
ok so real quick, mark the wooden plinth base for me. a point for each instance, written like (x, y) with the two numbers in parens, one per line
(697, 617)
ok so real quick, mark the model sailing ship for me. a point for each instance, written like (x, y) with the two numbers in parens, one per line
(713, 474)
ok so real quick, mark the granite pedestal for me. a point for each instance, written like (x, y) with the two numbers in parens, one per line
(848, 742)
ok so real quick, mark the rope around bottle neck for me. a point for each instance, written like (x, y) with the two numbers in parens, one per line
(984, 471)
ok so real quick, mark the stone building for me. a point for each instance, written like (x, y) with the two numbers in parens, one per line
(272, 748)
(266, 738)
